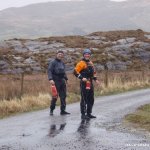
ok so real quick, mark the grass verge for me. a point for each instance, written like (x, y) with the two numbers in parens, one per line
(140, 118)
(30, 103)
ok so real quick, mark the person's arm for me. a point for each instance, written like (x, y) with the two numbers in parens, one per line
(95, 76)
(94, 71)
(50, 69)
(65, 75)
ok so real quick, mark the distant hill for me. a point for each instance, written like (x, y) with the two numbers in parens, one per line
(73, 18)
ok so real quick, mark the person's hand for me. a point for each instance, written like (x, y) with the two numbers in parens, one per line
(52, 82)
(66, 81)
(84, 79)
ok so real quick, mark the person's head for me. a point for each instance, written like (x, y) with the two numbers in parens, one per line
(60, 54)
(87, 54)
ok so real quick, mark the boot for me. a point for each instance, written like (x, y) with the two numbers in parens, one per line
(91, 116)
(64, 113)
(83, 116)
(51, 112)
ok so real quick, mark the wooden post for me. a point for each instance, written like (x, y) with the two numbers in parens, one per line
(106, 76)
(21, 89)
(143, 75)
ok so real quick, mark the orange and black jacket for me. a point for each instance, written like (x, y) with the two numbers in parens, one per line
(85, 69)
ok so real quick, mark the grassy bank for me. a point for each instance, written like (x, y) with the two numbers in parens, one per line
(116, 86)
(27, 103)
(140, 118)
(36, 90)
(30, 103)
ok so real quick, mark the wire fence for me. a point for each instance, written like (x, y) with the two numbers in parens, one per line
(17, 85)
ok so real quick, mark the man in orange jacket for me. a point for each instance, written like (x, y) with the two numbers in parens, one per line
(85, 71)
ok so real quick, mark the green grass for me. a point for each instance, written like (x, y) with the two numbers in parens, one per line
(140, 118)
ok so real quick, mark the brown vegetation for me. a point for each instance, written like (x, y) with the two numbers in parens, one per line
(116, 35)
(69, 41)
(10, 85)
(36, 89)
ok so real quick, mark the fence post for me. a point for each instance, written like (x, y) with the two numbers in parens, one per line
(21, 89)
(106, 76)
(143, 75)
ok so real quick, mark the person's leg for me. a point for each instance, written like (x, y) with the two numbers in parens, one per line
(83, 95)
(83, 100)
(62, 95)
(90, 102)
(54, 99)
(52, 105)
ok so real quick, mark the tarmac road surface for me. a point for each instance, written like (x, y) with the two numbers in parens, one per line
(39, 131)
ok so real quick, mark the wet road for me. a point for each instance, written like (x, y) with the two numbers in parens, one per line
(39, 131)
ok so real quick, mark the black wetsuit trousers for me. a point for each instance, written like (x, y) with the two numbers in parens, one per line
(61, 89)
(87, 98)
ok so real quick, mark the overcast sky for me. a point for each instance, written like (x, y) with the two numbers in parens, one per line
(18, 3)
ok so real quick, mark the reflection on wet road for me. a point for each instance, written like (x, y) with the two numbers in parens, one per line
(83, 128)
(54, 131)
(57, 126)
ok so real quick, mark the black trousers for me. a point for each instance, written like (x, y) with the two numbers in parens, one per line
(61, 89)
(87, 98)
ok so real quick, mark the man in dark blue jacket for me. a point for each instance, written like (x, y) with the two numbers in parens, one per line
(58, 77)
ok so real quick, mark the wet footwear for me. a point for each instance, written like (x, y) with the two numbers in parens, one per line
(64, 113)
(91, 116)
(84, 117)
(51, 112)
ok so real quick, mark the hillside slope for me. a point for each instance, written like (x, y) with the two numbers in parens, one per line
(118, 50)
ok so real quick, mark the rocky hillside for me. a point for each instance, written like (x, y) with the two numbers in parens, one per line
(118, 50)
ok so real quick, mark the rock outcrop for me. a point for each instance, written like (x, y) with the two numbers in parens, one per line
(118, 50)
